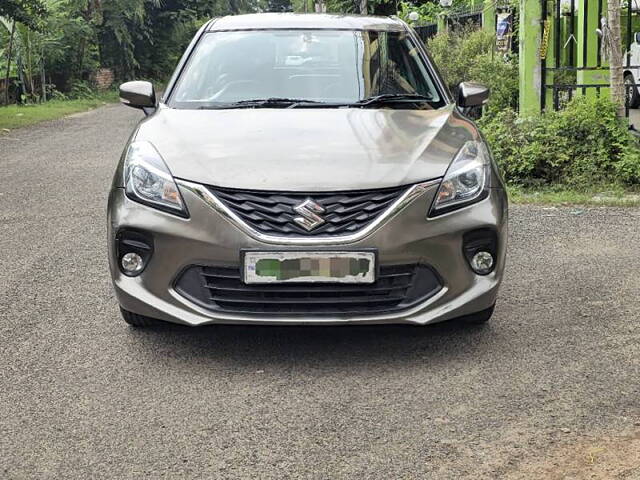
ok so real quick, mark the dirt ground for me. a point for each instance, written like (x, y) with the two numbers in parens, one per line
(591, 458)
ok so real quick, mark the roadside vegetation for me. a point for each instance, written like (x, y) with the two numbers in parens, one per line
(16, 116)
(64, 56)
(612, 195)
(583, 145)
(582, 154)
(468, 55)
(53, 53)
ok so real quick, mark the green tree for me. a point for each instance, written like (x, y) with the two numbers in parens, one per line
(123, 23)
(70, 39)
(72, 53)
(27, 12)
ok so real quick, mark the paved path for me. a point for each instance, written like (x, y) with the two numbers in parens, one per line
(552, 385)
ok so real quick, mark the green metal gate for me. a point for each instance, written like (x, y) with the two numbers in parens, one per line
(570, 50)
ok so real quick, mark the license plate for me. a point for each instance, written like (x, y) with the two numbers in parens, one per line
(308, 267)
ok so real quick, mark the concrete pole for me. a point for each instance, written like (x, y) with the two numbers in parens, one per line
(442, 22)
(489, 16)
(530, 66)
(588, 22)
(550, 57)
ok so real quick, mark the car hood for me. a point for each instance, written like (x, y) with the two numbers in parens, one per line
(307, 149)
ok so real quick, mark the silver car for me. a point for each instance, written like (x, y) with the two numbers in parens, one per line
(306, 169)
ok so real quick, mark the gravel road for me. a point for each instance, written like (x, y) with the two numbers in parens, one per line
(549, 389)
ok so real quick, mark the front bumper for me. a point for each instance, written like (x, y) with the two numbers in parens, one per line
(209, 238)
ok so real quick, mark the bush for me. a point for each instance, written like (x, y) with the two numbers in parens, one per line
(468, 55)
(454, 50)
(82, 90)
(628, 168)
(428, 11)
(582, 145)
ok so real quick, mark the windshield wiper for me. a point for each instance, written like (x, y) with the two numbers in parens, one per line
(274, 102)
(393, 98)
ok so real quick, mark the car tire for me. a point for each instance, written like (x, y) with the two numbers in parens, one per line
(139, 321)
(631, 91)
(479, 318)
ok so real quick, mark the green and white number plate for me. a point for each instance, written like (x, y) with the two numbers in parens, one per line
(328, 267)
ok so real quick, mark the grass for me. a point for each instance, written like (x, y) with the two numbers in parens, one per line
(16, 116)
(608, 195)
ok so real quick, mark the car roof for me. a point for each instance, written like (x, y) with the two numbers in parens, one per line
(266, 21)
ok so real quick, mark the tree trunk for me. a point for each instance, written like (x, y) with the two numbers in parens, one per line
(32, 89)
(80, 62)
(43, 80)
(616, 78)
(363, 7)
(6, 77)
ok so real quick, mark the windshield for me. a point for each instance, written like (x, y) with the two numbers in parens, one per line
(327, 66)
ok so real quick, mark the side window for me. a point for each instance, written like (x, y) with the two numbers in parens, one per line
(383, 71)
(419, 75)
(399, 65)
(394, 66)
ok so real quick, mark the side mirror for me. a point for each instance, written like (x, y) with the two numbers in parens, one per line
(636, 37)
(138, 94)
(472, 94)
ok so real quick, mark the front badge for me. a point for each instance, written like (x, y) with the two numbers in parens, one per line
(309, 212)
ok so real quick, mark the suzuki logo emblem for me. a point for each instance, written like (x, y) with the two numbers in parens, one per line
(309, 212)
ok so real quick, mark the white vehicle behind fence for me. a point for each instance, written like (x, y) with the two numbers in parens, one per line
(632, 73)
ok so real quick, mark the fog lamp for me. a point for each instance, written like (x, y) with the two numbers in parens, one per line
(482, 262)
(132, 263)
(134, 248)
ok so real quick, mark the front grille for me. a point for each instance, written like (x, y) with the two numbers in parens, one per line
(221, 289)
(273, 212)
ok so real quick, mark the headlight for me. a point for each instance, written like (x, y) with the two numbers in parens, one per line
(148, 180)
(466, 181)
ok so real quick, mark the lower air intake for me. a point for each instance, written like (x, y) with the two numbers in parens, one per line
(221, 289)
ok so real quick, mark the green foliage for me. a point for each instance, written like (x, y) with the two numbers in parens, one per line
(428, 11)
(27, 53)
(333, 6)
(82, 90)
(169, 28)
(123, 23)
(452, 52)
(27, 12)
(374, 7)
(584, 144)
(468, 55)
(63, 48)
(71, 39)
(147, 37)
(72, 53)
(628, 168)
